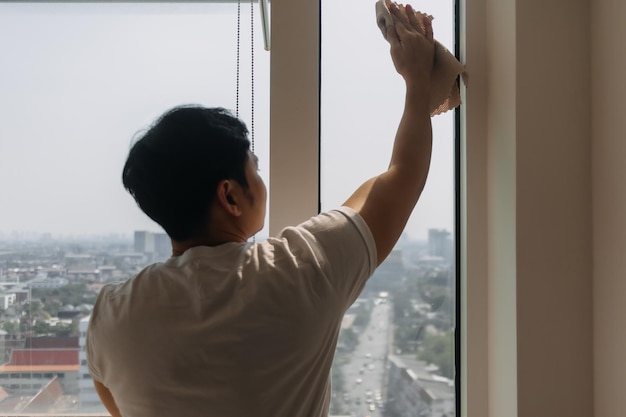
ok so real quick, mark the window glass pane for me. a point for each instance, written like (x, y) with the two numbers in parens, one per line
(78, 81)
(396, 352)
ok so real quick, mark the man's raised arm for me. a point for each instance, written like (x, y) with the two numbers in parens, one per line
(386, 201)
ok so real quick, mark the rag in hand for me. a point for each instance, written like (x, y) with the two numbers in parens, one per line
(444, 93)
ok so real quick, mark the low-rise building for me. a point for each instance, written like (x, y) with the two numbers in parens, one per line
(6, 300)
(413, 391)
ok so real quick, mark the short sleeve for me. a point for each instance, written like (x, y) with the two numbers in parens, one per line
(91, 344)
(343, 247)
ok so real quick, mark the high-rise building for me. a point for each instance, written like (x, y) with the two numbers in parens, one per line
(440, 243)
(144, 241)
(155, 246)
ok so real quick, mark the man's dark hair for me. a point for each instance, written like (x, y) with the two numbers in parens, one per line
(173, 169)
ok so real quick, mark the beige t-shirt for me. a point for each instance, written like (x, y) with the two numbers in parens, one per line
(237, 330)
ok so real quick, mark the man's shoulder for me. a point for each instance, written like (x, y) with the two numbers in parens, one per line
(326, 221)
(123, 287)
(325, 238)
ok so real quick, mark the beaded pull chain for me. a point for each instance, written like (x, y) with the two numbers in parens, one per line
(251, 72)
(251, 67)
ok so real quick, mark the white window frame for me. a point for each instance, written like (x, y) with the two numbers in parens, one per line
(294, 112)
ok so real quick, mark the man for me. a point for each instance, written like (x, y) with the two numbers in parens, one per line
(230, 328)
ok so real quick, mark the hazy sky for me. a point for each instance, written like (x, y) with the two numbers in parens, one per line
(77, 81)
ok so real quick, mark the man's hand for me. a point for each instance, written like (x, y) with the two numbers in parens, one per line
(412, 43)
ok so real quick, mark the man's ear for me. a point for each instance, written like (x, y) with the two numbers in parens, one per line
(226, 197)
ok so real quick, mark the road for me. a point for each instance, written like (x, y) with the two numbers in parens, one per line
(364, 374)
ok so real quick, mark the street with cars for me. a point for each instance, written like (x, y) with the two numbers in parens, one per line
(365, 371)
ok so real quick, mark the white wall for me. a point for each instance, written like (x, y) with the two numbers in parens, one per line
(608, 149)
(528, 200)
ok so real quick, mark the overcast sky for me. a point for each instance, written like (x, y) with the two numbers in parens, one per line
(77, 81)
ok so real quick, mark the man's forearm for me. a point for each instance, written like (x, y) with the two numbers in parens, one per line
(412, 147)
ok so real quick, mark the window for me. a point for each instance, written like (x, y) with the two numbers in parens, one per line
(78, 81)
(397, 349)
